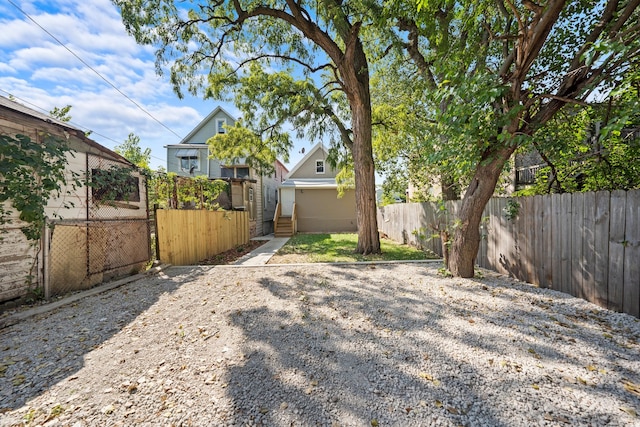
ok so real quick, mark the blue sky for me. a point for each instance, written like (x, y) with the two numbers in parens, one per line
(42, 74)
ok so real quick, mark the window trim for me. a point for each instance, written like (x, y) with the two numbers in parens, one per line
(320, 165)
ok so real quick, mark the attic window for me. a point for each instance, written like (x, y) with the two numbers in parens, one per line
(220, 125)
(319, 166)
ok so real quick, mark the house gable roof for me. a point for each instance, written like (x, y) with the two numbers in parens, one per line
(204, 122)
(312, 155)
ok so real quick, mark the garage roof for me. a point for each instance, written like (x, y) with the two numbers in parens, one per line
(309, 183)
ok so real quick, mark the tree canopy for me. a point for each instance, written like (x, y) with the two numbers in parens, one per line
(289, 65)
(459, 86)
(495, 73)
(130, 149)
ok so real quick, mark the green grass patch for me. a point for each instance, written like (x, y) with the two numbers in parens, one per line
(340, 248)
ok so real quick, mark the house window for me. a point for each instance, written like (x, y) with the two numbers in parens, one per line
(227, 172)
(189, 164)
(319, 166)
(189, 159)
(220, 125)
(242, 173)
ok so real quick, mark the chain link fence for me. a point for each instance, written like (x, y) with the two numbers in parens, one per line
(85, 253)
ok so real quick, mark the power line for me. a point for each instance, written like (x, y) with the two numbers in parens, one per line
(71, 122)
(92, 69)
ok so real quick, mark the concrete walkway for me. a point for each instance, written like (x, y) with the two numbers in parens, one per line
(263, 254)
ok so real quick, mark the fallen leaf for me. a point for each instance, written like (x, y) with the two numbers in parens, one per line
(426, 376)
(374, 423)
(438, 404)
(631, 387)
(535, 386)
(629, 411)
(452, 410)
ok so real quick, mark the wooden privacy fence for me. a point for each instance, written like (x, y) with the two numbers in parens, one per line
(186, 237)
(584, 244)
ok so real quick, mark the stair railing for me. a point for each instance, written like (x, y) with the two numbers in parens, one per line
(276, 218)
(294, 220)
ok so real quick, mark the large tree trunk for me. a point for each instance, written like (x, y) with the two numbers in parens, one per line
(466, 236)
(450, 189)
(368, 237)
(356, 77)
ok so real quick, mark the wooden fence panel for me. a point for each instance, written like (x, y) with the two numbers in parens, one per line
(555, 280)
(544, 244)
(588, 264)
(616, 249)
(576, 260)
(186, 237)
(601, 247)
(495, 228)
(585, 244)
(565, 242)
(527, 215)
(631, 293)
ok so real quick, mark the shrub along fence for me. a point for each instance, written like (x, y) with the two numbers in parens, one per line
(584, 244)
(185, 237)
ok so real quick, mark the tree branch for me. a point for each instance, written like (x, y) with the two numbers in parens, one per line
(419, 60)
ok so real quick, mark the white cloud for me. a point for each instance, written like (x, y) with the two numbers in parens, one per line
(43, 75)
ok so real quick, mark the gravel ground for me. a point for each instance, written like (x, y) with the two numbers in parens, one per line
(327, 345)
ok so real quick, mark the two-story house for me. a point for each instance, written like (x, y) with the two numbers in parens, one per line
(248, 190)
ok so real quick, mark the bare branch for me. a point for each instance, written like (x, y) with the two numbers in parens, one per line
(414, 52)
(284, 58)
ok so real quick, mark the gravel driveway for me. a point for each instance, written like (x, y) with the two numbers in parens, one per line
(327, 345)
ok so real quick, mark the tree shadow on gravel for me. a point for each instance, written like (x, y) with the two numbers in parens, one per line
(381, 352)
(41, 351)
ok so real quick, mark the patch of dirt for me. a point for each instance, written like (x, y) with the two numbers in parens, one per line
(230, 256)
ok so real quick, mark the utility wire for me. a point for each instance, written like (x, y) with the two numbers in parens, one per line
(92, 69)
(71, 122)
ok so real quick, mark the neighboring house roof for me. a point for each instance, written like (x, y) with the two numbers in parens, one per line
(311, 153)
(310, 183)
(282, 166)
(204, 122)
(66, 127)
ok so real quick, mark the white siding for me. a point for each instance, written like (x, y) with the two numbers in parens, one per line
(72, 203)
(18, 259)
